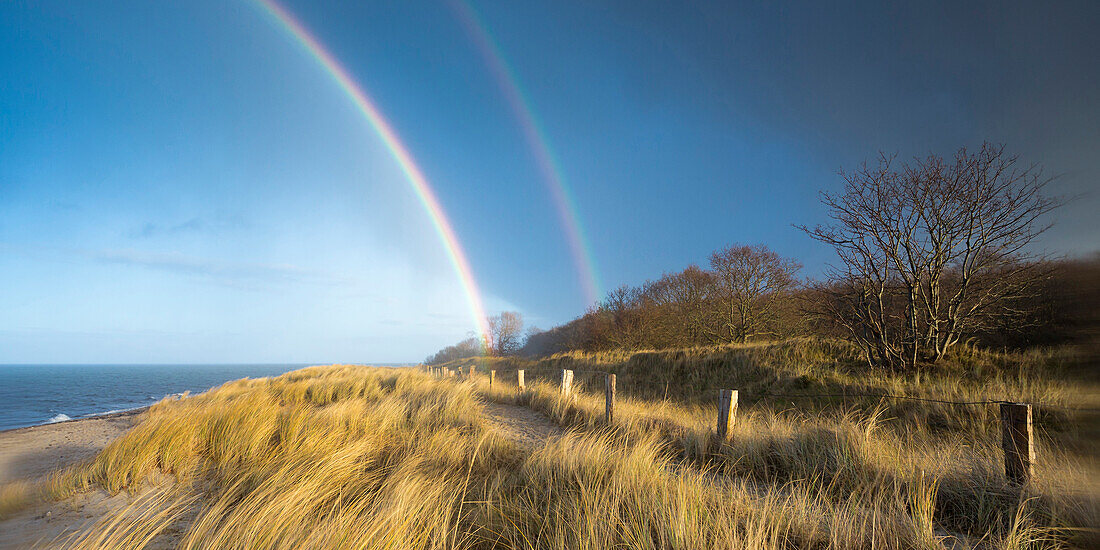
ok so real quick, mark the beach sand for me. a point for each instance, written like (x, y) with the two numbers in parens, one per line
(30, 454)
(27, 454)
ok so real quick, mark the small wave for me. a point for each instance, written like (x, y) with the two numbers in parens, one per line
(113, 411)
(59, 418)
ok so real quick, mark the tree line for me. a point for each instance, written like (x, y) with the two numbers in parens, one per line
(930, 254)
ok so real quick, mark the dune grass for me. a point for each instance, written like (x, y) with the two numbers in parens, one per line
(353, 457)
(770, 376)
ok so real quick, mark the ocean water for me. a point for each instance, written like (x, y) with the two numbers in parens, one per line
(39, 394)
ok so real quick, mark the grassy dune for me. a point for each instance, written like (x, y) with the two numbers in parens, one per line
(1059, 379)
(373, 458)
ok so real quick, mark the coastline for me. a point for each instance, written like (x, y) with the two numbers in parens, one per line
(93, 416)
(32, 452)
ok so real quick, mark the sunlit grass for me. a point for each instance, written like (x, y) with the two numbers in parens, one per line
(353, 457)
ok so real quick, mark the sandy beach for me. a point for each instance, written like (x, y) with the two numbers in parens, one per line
(27, 454)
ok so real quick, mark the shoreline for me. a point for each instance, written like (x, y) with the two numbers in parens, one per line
(31, 452)
(93, 416)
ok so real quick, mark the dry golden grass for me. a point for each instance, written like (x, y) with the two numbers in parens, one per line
(353, 457)
(867, 449)
(1058, 379)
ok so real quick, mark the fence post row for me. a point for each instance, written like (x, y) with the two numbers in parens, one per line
(727, 411)
(1017, 441)
(1017, 437)
(566, 382)
(609, 398)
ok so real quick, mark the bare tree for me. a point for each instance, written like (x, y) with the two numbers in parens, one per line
(752, 282)
(932, 251)
(505, 333)
(619, 313)
(675, 308)
(470, 347)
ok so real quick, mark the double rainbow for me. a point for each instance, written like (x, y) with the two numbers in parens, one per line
(400, 153)
(537, 141)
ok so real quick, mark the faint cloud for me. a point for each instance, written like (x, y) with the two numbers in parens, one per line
(200, 224)
(238, 274)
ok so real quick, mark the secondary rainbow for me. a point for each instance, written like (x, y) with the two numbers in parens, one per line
(400, 153)
(538, 143)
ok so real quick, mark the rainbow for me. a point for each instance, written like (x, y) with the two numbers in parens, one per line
(538, 143)
(400, 153)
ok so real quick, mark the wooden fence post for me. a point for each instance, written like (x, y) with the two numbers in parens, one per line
(566, 382)
(727, 411)
(471, 372)
(519, 380)
(1017, 441)
(609, 398)
(492, 376)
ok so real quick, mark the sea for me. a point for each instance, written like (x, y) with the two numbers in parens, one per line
(31, 395)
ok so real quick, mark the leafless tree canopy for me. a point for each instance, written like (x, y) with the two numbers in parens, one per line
(470, 347)
(505, 337)
(752, 283)
(505, 333)
(745, 295)
(933, 251)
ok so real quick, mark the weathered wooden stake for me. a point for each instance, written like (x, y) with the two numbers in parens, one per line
(492, 376)
(566, 382)
(609, 398)
(471, 372)
(1017, 441)
(727, 411)
(519, 380)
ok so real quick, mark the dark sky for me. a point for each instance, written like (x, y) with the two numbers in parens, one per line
(910, 77)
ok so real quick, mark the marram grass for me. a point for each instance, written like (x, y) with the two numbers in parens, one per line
(353, 457)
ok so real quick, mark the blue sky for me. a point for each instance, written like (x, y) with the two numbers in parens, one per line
(180, 182)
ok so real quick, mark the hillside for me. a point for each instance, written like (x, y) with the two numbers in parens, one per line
(395, 458)
(773, 377)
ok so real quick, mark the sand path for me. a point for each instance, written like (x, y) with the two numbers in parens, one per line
(525, 426)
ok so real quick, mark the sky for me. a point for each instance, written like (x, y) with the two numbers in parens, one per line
(183, 182)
